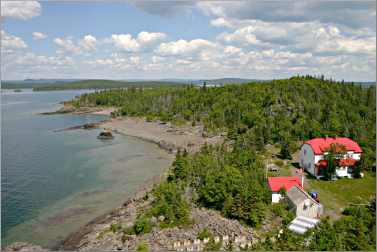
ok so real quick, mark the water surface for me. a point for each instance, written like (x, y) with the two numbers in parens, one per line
(55, 182)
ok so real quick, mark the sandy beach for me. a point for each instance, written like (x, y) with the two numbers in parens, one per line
(166, 135)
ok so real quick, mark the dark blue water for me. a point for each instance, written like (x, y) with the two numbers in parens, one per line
(43, 172)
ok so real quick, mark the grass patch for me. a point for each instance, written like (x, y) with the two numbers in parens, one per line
(338, 194)
(143, 246)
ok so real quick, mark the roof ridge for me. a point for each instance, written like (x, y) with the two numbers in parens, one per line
(304, 192)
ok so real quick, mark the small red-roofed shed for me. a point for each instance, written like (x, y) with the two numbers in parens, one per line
(286, 183)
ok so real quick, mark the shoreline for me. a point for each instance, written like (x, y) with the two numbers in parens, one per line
(169, 138)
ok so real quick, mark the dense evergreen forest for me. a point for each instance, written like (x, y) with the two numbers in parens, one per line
(286, 111)
(232, 180)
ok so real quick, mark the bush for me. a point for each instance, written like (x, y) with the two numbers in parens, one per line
(142, 225)
(170, 203)
(280, 209)
(212, 245)
(204, 234)
(116, 227)
(284, 152)
(143, 246)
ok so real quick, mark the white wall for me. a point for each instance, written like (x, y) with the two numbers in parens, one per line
(307, 158)
(356, 156)
(275, 197)
(311, 209)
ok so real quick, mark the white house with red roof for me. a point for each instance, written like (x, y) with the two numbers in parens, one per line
(313, 155)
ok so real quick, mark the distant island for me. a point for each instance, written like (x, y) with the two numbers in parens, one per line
(83, 84)
(67, 84)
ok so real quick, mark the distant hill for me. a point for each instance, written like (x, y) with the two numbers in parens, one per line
(221, 81)
(66, 84)
(80, 84)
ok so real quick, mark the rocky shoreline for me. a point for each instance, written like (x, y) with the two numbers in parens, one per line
(170, 138)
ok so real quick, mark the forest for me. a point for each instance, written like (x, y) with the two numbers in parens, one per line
(285, 112)
(230, 178)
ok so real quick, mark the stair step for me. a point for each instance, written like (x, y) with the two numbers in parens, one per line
(303, 224)
(297, 229)
(308, 220)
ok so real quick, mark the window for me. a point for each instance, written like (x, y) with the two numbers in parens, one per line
(304, 152)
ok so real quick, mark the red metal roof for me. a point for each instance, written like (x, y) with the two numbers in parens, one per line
(320, 145)
(277, 183)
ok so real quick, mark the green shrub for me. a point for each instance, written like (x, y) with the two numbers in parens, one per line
(204, 233)
(280, 209)
(170, 203)
(149, 118)
(142, 225)
(115, 227)
(279, 163)
(212, 245)
(143, 246)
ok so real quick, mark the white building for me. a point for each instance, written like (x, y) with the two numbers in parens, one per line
(314, 151)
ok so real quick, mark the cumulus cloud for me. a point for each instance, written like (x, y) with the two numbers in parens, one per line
(67, 45)
(312, 37)
(144, 39)
(86, 44)
(149, 37)
(221, 22)
(39, 35)
(10, 43)
(182, 46)
(20, 9)
(26, 65)
(125, 42)
(348, 13)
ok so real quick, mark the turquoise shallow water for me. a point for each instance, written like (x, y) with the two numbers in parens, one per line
(55, 182)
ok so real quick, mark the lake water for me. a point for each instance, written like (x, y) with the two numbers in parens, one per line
(55, 182)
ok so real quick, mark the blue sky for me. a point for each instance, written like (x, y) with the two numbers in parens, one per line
(188, 39)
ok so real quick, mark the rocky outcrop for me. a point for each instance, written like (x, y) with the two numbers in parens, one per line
(24, 246)
(99, 236)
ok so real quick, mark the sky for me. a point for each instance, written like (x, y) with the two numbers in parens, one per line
(188, 39)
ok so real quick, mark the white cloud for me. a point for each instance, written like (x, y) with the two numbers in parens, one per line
(149, 37)
(20, 9)
(182, 46)
(144, 39)
(67, 45)
(10, 43)
(39, 35)
(88, 43)
(125, 42)
(348, 13)
(221, 22)
(312, 37)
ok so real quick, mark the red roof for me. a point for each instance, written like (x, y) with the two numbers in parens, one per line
(277, 183)
(320, 145)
